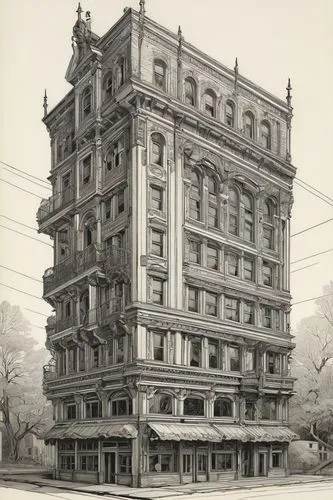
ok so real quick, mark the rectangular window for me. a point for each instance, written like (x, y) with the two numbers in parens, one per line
(125, 463)
(211, 304)
(157, 243)
(194, 209)
(273, 363)
(277, 459)
(193, 299)
(121, 201)
(233, 264)
(120, 349)
(187, 464)
(119, 407)
(107, 208)
(267, 317)
(267, 271)
(231, 309)
(95, 357)
(249, 313)
(195, 252)
(249, 360)
(269, 409)
(212, 257)
(88, 462)
(195, 352)
(67, 462)
(86, 170)
(156, 198)
(213, 354)
(222, 461)
(268, 237)
(70, 411)
(234, 358)
(249, 410)
(248, 269)
(158, 340)
(93, 409)
(158, 295)
(212, 216)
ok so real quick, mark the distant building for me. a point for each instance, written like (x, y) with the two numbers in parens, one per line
(33, 448)
(172, 191)
(306, 455)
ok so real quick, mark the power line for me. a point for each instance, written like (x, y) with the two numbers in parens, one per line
(21, 291)
(36, 312)
(313, 298)
(25, 178)
(313, 255)
(314, 194)
(24, 172)
(22, 274)
(25, 190)
(305, 267)
(37, 326)
(317, 190)
(22, 234)
(312, 227)
(17, 222)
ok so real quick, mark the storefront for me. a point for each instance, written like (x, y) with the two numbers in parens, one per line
(168, 453)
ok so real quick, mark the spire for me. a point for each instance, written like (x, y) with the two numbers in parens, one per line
(289, 97)
(45, 104)
(79, 12)
(236, 74)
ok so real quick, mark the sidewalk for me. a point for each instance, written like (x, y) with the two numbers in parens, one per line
(165, 491)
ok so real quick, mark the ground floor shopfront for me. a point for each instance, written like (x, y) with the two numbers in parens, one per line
(161, 454)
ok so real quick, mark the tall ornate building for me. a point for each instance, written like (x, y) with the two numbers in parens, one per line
(172, 190)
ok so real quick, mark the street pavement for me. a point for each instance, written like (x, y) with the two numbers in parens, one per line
(303, 491)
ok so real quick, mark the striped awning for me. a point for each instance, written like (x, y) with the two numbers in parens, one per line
(186, 432)
(256, 433)
(84, 430)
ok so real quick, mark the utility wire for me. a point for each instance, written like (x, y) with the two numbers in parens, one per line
(305, 267)
(313, 298)
(24, 172)
(317, 190)
(314, 194)
(17, 222)
(313, 255)
(22, 234)
(25, 178)
(312, 227)
(25, 190)
(36, 312)
(22, 274)
(37, 326)
(21, 291)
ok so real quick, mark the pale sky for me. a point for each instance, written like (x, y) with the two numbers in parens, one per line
(273, 39)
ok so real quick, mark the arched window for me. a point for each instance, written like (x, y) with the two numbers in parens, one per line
(248, 217)
(212, 202)
(194, 406)
(159, 77)
(223, 407)
(210, 103)
(233, 218)
(268, 227)
(230, 114)
(157, 149)
(161, 403)
(119, 73)
(195, 196)
(190, 92)
(121, 406)
(86, 102)
(266, 135)
(249, 125)
(108, 85)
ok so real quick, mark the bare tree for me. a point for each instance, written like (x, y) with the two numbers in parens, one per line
(22, 403)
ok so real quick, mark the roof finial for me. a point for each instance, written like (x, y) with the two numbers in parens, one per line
(142, 8)
(289, 97)
(236, 74)
(79, 12)
(45, 104)
(180, 41)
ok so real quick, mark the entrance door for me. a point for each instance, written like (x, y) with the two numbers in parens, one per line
(246, 461)
(262, 464)
(201, 466)
(110, 467)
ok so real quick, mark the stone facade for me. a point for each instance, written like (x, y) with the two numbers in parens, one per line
(172, 193)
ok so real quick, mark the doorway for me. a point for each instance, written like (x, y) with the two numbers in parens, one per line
(110, 468)
(262, 463)
(201, 466)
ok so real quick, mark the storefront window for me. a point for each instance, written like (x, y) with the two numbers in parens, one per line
(222, 461)
(88, 462)
(162, 458)
(125, 463)
(277, 458)
(67, 462)
(187, 463)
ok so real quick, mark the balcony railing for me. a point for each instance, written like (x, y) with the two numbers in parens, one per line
(75, 264)
(110, 309)
(65, 323)
(54, 204)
